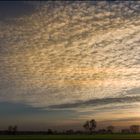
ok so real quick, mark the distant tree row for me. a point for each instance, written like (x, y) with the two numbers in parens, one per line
(133, 129)
(91, 125)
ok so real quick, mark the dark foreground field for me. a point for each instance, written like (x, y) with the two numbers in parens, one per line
(73, 137)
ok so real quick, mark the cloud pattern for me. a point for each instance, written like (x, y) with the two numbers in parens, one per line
(68, 54)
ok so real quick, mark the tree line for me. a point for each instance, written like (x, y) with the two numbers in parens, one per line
(91, 125)
(89, 128)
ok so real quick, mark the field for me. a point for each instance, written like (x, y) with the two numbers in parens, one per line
(73, 137)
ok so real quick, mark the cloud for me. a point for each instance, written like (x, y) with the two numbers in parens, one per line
(99, 102)
(69, 54)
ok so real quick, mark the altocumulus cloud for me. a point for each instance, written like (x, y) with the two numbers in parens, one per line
(71, 53)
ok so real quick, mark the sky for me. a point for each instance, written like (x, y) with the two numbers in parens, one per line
(65, 62)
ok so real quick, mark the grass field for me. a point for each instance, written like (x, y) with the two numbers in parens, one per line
(74, 137)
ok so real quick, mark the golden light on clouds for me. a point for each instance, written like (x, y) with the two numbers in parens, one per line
(74, 52)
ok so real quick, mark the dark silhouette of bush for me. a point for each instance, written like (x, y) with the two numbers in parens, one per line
(125, 131)
(50, 132)
(110, 129)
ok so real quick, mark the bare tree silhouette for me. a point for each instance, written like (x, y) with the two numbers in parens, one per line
(15, 128)
(90, 125)
(10, 129)
(86, 126)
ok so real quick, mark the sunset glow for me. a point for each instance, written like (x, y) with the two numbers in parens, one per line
(70, 61)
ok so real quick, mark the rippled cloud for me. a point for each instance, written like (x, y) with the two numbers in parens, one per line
(68, 54)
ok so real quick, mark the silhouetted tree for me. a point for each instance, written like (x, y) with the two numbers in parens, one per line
(134, 128)
(10, 129)
(86, 126)
(15, 128)
(110, 129)
(90, 125)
